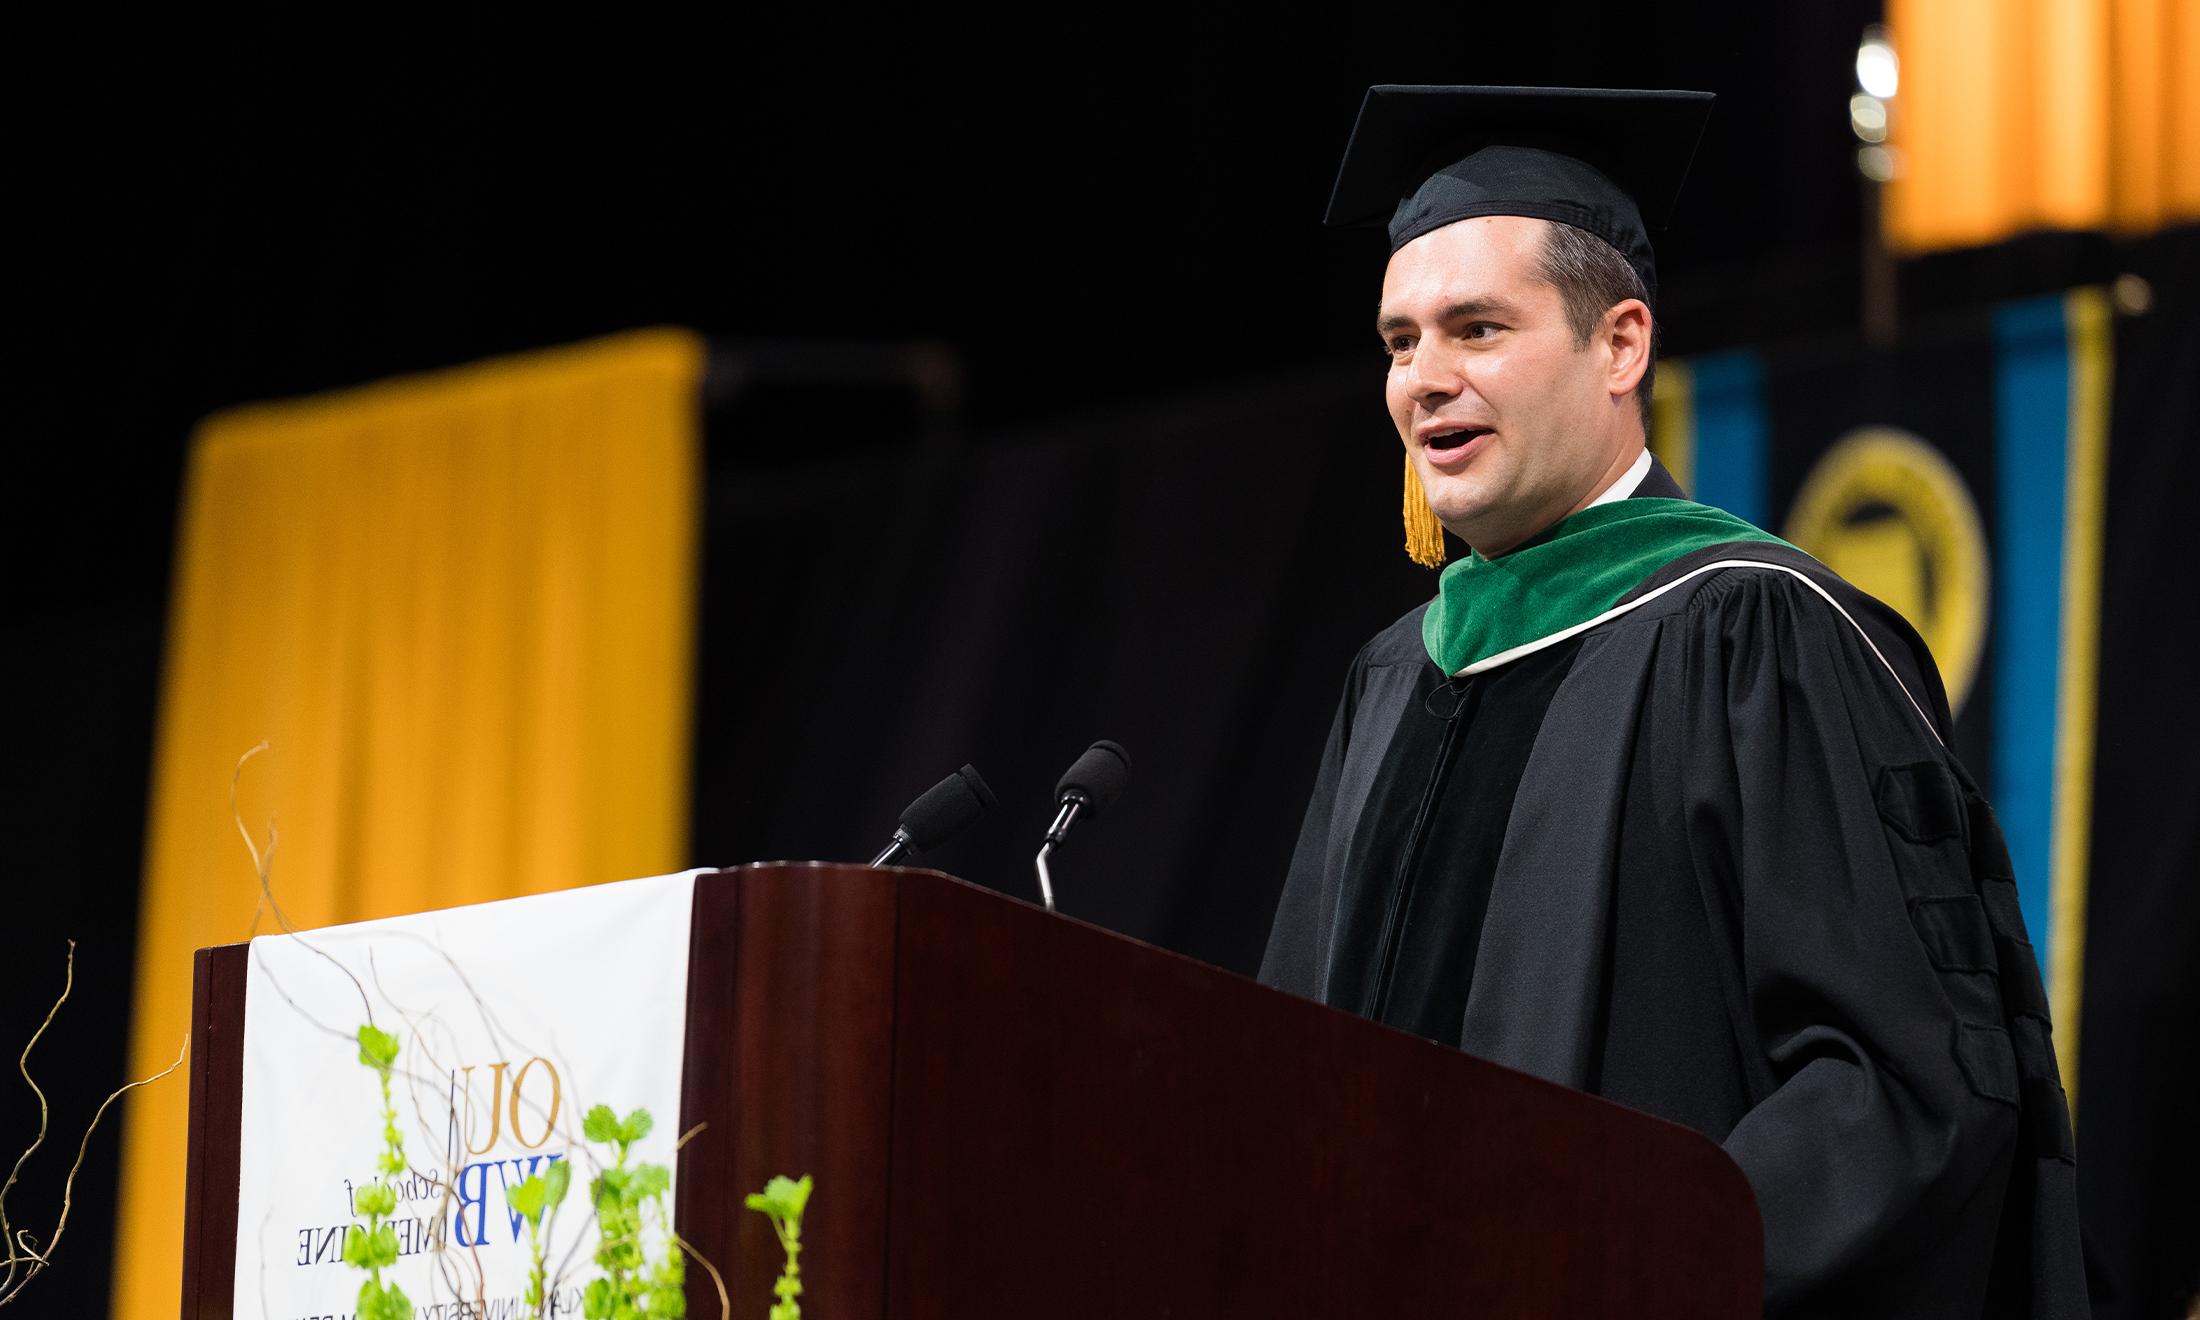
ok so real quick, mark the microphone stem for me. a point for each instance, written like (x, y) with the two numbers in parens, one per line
(1066, 817)
(1046, 882)
(1072, 803)
(895, 847)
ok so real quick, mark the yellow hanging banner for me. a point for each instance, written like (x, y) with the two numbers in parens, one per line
(2013, 115)
(459, 610)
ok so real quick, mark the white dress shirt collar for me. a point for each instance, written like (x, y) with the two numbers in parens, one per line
(1627, 482)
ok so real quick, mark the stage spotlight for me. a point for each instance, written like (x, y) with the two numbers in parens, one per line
(1877, 71)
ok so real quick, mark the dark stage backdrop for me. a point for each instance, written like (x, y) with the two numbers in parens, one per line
(2138, 1142)
(1188, 577)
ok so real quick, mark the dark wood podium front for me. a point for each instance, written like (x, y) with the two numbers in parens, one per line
(1012, 1113)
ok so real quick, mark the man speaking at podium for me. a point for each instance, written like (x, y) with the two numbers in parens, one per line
(1646, 801)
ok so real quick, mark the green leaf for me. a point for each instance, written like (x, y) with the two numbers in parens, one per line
(356, 1252)
(600, 1124)
(381, 1248)
(391, 1163)
(376, 1199)
(651, 1180)
(388, 1302)
(668, 1297)
(556, 1180)
(377, 1048)
(624, 1256)
(371, 1251)
(528, 1198)
(610, 1186)
(395, 1305)
(596, 1303)
(782, 1198)
(636, 1126)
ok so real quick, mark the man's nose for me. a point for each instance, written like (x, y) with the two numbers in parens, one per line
(1434, 374)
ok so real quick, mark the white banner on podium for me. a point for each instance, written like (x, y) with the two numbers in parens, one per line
(513, 1020)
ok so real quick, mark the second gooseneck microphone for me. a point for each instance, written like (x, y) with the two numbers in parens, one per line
(1095, 780)
(945, 810)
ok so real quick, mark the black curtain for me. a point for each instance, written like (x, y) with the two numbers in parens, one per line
(1189, 577)
(2138, 1105)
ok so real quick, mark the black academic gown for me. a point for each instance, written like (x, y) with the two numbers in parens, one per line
(1712, 860)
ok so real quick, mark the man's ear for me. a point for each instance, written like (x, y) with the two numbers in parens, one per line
(1626, 332)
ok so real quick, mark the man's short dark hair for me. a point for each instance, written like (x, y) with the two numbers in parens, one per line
(1591, 276)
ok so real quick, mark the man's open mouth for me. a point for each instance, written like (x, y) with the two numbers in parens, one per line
(1454, 439)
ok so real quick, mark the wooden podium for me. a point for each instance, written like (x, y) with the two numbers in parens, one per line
(1011, 1113)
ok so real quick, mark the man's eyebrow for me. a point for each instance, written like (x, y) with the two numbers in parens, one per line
(1458, 311)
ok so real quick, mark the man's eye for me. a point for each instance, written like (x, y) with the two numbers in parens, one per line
(1398, 344)
(1482, 329)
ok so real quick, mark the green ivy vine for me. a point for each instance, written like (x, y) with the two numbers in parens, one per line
(375, 1248)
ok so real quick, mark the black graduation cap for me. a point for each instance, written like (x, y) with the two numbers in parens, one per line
(1601, 160)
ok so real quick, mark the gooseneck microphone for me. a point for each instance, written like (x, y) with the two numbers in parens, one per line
(1096, 779)
(943, 811)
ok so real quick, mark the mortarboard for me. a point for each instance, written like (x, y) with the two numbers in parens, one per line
(1610, 162)
(1605, 161)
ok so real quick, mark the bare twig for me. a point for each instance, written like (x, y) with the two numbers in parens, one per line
(264, 866)
(22, 1238)
(259, 866)
(23, 1065)
(725, 1302)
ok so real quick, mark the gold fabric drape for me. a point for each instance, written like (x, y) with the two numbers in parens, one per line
(459, 608)
(2014, 115)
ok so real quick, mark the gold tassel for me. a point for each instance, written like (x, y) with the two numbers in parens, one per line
(1424, 535)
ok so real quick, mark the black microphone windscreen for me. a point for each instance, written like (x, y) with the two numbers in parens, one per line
(947, 809)
(1100, 776)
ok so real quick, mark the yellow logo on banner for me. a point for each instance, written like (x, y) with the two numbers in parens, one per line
(548, 1115)
(1888, 512)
